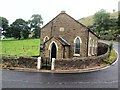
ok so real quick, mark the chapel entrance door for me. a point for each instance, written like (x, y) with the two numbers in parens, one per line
(53, 51)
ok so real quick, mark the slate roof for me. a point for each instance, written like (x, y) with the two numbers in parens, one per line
(63, 41)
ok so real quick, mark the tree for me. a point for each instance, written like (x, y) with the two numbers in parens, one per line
(118, 22)
(19, 29)
(5, 26)
(113, 24)
(101, 19)
(119, 19)
(35, 23)
(26, 31)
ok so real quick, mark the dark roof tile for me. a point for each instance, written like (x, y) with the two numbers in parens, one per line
(63, 41)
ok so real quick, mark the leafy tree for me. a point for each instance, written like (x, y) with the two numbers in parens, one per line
(20, 29)
(35, 23)
(113, 23)
(25, 32)
(5, 26)
(119, 19)
(118, 23)
(102, 20)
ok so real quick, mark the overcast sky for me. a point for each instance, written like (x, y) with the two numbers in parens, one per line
(48, 9)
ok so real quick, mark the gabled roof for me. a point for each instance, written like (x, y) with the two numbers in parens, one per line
(61, 40)
(63, 12)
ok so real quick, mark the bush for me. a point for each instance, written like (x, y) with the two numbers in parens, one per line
(112, 57)
(111, 47)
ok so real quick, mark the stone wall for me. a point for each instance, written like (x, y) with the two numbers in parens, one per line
(102, 48)
(80, 63)
(61, 64)
(92, 45)
(23, 62)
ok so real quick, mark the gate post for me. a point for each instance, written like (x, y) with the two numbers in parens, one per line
(39, 63)
(53, 64)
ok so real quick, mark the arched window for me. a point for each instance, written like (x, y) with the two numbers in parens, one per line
(77, 46)
(92, 47)
(46, 38)
(77, 43)
(96, 47)
(89, 49)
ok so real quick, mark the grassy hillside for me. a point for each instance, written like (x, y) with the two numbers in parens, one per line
(29, 47)
(88, 21)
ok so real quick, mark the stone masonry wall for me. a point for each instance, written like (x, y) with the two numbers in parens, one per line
(93, 44)
(80, 63)
(72, 29)
(23, 62)
(46, 52)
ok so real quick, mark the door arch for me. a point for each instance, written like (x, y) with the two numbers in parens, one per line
(53, 44)
(53, 51)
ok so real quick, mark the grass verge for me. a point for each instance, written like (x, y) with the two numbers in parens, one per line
(112, 57)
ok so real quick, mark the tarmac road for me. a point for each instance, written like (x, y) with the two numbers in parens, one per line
(107, 78)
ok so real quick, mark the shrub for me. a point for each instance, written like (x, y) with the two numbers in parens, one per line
(112, 57)
(111, 47)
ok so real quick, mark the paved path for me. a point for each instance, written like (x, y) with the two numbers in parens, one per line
(107, 78)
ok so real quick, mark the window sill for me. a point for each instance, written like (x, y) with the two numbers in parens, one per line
(76, 55)
(89, 55)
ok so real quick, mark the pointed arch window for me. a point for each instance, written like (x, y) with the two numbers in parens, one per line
(77, 43)
(46, 38)
(77, 46)
(93, 47)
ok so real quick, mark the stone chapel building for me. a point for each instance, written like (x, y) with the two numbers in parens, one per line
(65, 37)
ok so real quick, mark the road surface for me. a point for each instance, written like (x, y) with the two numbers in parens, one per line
(107, 78)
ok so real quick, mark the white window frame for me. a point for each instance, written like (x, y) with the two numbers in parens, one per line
(45, 38)
(50, 46)
(75, 47)
(93, 46)
(96, 47)
(89, 46)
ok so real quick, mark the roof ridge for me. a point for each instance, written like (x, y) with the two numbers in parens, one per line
(63, 12)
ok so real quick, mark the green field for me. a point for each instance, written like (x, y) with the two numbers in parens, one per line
(88, 21)
(29, 47)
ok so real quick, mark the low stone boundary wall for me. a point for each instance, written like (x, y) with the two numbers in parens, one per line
(60, 64)
(23, 62)
(102, 48)
(80, 63)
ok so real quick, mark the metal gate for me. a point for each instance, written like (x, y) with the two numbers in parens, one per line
(46, 63)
